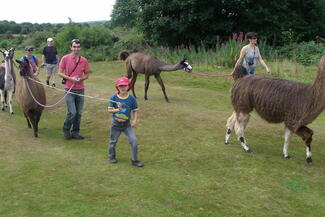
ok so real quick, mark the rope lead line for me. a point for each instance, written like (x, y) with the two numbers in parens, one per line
(46, 106)
(208, 75)
(62, 90)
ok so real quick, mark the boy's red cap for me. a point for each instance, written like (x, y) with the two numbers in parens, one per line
(122, 81)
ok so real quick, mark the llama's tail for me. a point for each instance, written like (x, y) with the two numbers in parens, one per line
(123, 55)
(239, 72)
(129, 69)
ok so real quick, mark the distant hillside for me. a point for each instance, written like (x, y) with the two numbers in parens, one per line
(95, 22)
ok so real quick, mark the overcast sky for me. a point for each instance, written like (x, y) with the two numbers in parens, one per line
(55, 11)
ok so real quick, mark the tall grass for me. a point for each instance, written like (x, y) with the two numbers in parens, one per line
(205, 58)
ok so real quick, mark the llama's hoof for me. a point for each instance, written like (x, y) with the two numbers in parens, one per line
(3, 109)
(309, 160)
(287, 157)
(12, 113)
(227, 142)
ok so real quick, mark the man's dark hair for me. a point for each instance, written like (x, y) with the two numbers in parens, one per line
(77, 41)
(251, 35)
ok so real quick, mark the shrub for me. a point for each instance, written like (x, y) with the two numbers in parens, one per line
(96, 40)
(306, 53)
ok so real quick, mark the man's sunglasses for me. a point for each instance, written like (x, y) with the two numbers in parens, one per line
(75, 41)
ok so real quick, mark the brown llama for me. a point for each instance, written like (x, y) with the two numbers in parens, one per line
(30, 108)
(149, 65)
(278, 100)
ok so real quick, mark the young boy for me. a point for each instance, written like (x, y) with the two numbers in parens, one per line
(121, 105)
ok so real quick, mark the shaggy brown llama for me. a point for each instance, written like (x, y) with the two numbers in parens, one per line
(278, 100)
(30, 108)
(149, 65)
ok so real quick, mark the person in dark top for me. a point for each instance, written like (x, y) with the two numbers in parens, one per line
(50, 60)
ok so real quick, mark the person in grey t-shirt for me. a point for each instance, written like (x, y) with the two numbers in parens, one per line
(249, 55)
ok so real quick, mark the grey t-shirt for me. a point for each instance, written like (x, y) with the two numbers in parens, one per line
(251, 55)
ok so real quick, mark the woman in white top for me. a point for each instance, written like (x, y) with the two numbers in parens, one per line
(249, 54)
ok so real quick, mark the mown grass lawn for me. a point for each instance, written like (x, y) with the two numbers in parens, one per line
(188, 169)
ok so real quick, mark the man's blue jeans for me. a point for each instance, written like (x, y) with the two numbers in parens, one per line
(116, 130)
(74, 109)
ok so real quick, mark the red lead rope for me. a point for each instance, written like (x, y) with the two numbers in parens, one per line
(208, 75)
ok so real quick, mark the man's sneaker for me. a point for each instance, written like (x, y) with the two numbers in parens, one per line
(137, 163)
(66, 135)
(112, 161)
(77, 136)
(47, 82)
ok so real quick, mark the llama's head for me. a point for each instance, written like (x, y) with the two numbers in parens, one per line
(8, 54)
(239, 72)
(185, 65)
(24, 68)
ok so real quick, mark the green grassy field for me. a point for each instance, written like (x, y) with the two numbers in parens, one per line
(188, 169)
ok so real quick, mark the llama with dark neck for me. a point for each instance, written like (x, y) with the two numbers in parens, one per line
(25, 100)
(149, 65)
(278, 100)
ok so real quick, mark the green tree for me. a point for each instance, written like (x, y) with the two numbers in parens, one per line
(125, 13)
(175, 22)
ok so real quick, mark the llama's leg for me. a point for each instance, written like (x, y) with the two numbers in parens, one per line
(28, 122)
(161, 83)
(134, 79)
(146, 86)
(32, 117)
(37, 118)
(230, 126)
(5, 96)
(287, 136)
(240, 125)
(2, 100)
(10, 102)
(306, 134)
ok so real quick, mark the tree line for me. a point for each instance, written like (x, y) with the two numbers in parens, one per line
(139, 24)
(191, 22)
